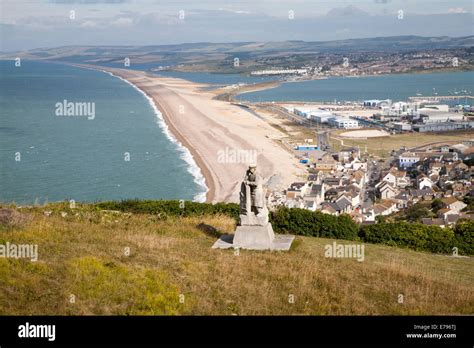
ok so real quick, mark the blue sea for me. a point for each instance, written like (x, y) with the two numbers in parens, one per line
(396, 87)
(124, 152)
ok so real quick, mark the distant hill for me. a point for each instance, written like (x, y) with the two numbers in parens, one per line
(394, 43)
(218, 57)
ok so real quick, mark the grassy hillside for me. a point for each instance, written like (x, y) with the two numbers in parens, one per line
(84, 267)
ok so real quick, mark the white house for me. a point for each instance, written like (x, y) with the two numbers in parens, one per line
(453, 204)
(387, 190)
(424, 182)
(356, 164)
(315, 195)
(445, 212)
(298, 189)
(385, 207)
(408, 159)
(396, 178)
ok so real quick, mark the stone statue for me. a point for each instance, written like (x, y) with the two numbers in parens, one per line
(254, 232)
(253, 210)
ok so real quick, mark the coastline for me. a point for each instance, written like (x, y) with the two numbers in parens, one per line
(208, 127)
(198, 170)
(201, 166)
(196, 167)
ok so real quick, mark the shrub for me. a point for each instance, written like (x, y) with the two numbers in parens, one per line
(464, 237)
(436, 205)
(307, 223)
(416, 212)
(10, 218)
(421, 237)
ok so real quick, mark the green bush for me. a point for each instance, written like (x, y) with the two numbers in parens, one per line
(316, 224)
(417, 212)
(421, 237)
(464, 237)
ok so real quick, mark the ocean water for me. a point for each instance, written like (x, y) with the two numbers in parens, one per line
(124, 152)
(395, 87)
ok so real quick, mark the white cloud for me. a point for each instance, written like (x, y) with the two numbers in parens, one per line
(88, 24)
(457, 10)
(235, 11)
(122, 22)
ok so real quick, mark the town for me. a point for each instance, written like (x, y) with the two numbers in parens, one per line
(364, 63)
(431, 184)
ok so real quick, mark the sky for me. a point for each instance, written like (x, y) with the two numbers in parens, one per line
(28, 24)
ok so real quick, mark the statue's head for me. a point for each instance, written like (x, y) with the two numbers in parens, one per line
(252, 168)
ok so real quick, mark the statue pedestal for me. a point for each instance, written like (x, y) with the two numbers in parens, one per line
(254, 237)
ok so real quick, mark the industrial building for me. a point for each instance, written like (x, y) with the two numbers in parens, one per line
(440, 117)
(376, 103)
(321, 115)
(322, 118)
(442, 126)
(340, 122)
(402, 127)
(400, 109)
(302, 111)
(318, 115)
(435, 107)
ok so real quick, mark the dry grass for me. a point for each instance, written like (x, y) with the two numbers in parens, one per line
(382, 146)
(10, 218)
(85, 255)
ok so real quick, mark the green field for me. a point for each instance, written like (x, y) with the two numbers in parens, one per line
(382, 146)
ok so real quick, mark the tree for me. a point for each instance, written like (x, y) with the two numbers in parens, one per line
(436, 205)
(469, 162)
(464, 235)
(417, 212)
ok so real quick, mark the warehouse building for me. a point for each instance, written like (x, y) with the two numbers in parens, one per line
(302, 111)
(400, 109)
(402, 127)
(435, 107)
(377, 103)
(340, 122)
(440, 117)
(321, 114)
(322, 118)
(442, 126)
(318, 115)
